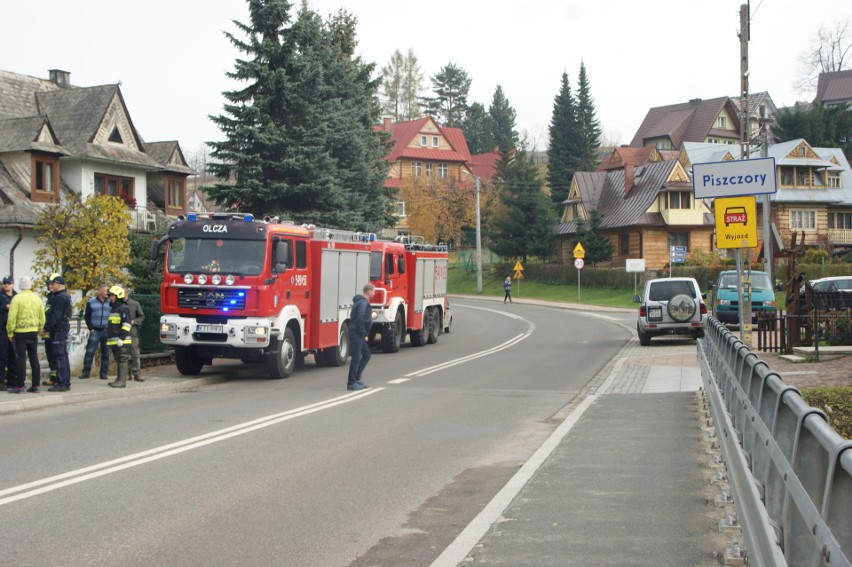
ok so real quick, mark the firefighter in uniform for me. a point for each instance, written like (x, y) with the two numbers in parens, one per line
(118, 334)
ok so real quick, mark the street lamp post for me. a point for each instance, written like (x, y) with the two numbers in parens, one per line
(478, 232)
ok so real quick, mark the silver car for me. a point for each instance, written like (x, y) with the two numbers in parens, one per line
(670, 306)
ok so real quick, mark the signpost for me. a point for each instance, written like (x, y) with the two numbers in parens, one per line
(637, 266)
(677, 254)
(579, 262)
(519, 275)
(733, 184)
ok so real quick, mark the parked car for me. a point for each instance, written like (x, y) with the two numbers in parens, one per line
(670, 306)
(834, 283)
(726, 296)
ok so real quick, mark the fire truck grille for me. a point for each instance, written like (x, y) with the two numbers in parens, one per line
(222, 299)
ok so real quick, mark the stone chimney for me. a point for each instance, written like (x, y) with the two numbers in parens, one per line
(60, 78)
(628, 178)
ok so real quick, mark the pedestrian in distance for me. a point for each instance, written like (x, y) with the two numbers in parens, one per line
(8, 358)
(97, 319)
(118, 334)
(57, 323)
(507, 287)
(52, 379)
(25, 323)
(136, 318)
(360, 321)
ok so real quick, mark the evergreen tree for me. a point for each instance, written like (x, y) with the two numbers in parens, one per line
(820, 126)
(299, 136)
(590, 234)
(563, 148)
(588, 125)
(503, 131)
(524, 225)
(451, 86)
(477, 129)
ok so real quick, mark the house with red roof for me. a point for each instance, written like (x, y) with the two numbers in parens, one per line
(426, 151)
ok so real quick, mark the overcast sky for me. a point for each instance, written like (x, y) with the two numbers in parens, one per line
(171, 55)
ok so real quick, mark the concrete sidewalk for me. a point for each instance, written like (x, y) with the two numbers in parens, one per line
(158, 380)
(626, 481)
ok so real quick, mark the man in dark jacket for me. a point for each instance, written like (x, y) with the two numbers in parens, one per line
(57, 323)
(8, 358)
(118, 334)
(48, 353)
(360, 321)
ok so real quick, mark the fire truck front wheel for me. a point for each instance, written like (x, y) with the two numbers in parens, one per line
(393, 333)
(187, 361)
(282, 360)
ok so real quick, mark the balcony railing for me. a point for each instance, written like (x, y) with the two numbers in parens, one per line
(144, 219)
(840, 235)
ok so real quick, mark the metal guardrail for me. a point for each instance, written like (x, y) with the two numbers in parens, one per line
(790, 472)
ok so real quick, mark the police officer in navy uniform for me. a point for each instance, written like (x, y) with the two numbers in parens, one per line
(57, 323)
(8, 358)
(118, 334)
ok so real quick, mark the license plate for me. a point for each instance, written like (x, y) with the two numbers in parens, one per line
(209, 329)
(655, 313)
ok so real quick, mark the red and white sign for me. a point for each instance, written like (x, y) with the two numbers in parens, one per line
(579, 263)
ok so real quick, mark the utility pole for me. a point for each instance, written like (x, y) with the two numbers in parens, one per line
(744, 289)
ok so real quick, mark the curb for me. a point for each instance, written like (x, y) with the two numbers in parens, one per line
(36, 401)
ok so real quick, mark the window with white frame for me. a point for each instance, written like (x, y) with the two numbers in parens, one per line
(416, 168)
(429, 167)
(803, 220)
(434, 141)
(722, 122)
(400, 209)
(443, 169)
(423, 140)
(834, 179)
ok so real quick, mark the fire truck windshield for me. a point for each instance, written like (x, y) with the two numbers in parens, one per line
(203, 255)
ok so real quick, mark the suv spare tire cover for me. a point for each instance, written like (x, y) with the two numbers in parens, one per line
(681, 308)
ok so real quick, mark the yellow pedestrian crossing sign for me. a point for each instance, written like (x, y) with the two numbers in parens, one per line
(519, 275)
(518, 267)
(579, 251)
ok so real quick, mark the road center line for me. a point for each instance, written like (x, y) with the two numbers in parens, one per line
(56, 482)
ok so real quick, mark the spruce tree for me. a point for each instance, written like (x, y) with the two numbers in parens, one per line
(503, 131)
(299, 135)
(451, 86)
(588, 125)
(477, 128)
(590, 234)
(524, 225)
(563, 148)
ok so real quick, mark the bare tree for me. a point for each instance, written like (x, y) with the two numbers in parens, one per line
(401, 83)
(830, 51)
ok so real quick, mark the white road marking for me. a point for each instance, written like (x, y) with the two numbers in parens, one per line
(56, 482)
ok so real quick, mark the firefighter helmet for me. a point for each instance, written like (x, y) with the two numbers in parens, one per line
(117, 291)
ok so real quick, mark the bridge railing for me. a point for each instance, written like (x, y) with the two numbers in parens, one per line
(790, 471)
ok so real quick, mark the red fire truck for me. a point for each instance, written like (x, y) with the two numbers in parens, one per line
(259, 291)
(411, 292)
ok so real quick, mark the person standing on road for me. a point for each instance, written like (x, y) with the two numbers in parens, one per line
(507, 287)
(52, 379)
(26, 321)
(97, 318)
(58, 325)
(136, 318)
(118, 334)
(8, 358)
(360, 321)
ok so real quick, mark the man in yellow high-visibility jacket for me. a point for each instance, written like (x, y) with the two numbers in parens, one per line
(26, 321)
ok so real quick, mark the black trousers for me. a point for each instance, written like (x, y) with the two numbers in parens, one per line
(26, 346)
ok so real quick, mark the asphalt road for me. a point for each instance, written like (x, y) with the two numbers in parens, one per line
(300, 472)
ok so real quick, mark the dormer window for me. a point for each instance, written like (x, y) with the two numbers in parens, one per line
(434, 141)
(423, 140)
(45, 179)
(678, 200)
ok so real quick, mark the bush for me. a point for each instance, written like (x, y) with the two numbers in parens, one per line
(837, 405)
